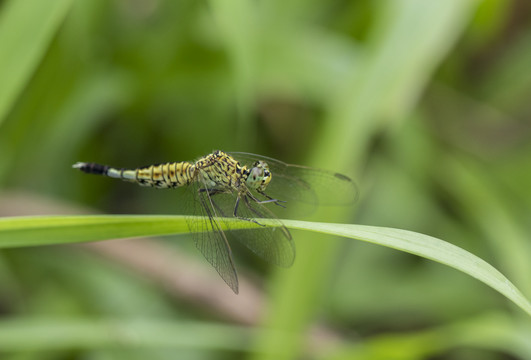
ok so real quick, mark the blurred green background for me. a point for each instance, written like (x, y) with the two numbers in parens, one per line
(425, 103)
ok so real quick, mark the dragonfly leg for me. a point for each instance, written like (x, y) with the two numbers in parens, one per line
(236, 207)
(270, 200)
(250, 208)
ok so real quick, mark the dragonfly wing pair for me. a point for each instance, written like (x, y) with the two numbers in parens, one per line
(217, 224)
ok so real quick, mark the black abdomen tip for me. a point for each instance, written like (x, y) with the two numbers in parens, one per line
(91, 168)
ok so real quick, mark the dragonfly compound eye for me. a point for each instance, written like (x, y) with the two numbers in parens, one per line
(259, 176)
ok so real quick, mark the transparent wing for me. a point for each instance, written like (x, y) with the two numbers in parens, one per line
(304, 184)
(272, 243)
(210, 238)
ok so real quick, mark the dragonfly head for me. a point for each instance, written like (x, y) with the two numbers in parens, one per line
(259, 176)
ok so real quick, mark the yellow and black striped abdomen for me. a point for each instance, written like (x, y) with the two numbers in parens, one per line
(168, 175)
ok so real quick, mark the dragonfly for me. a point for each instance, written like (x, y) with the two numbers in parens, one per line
(227, 188)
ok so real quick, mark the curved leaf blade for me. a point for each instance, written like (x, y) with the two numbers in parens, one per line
(48, 230)
(427, 247)
(26, 30)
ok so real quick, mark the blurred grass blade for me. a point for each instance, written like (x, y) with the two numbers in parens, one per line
(28, 231)
(491, 331)
(395, 63)
(26, 29)
(40, 334)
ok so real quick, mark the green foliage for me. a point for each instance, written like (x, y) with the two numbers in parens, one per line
(31, 231)
(424, 103)
(25, 44)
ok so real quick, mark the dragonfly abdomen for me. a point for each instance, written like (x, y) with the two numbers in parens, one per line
(168, 175)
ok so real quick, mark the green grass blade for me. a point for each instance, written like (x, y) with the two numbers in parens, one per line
(498, 331)
(39, 334)
(427, 247)
(26, 29)
(48, 230)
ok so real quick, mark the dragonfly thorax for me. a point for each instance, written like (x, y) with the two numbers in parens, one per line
(258, 177)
